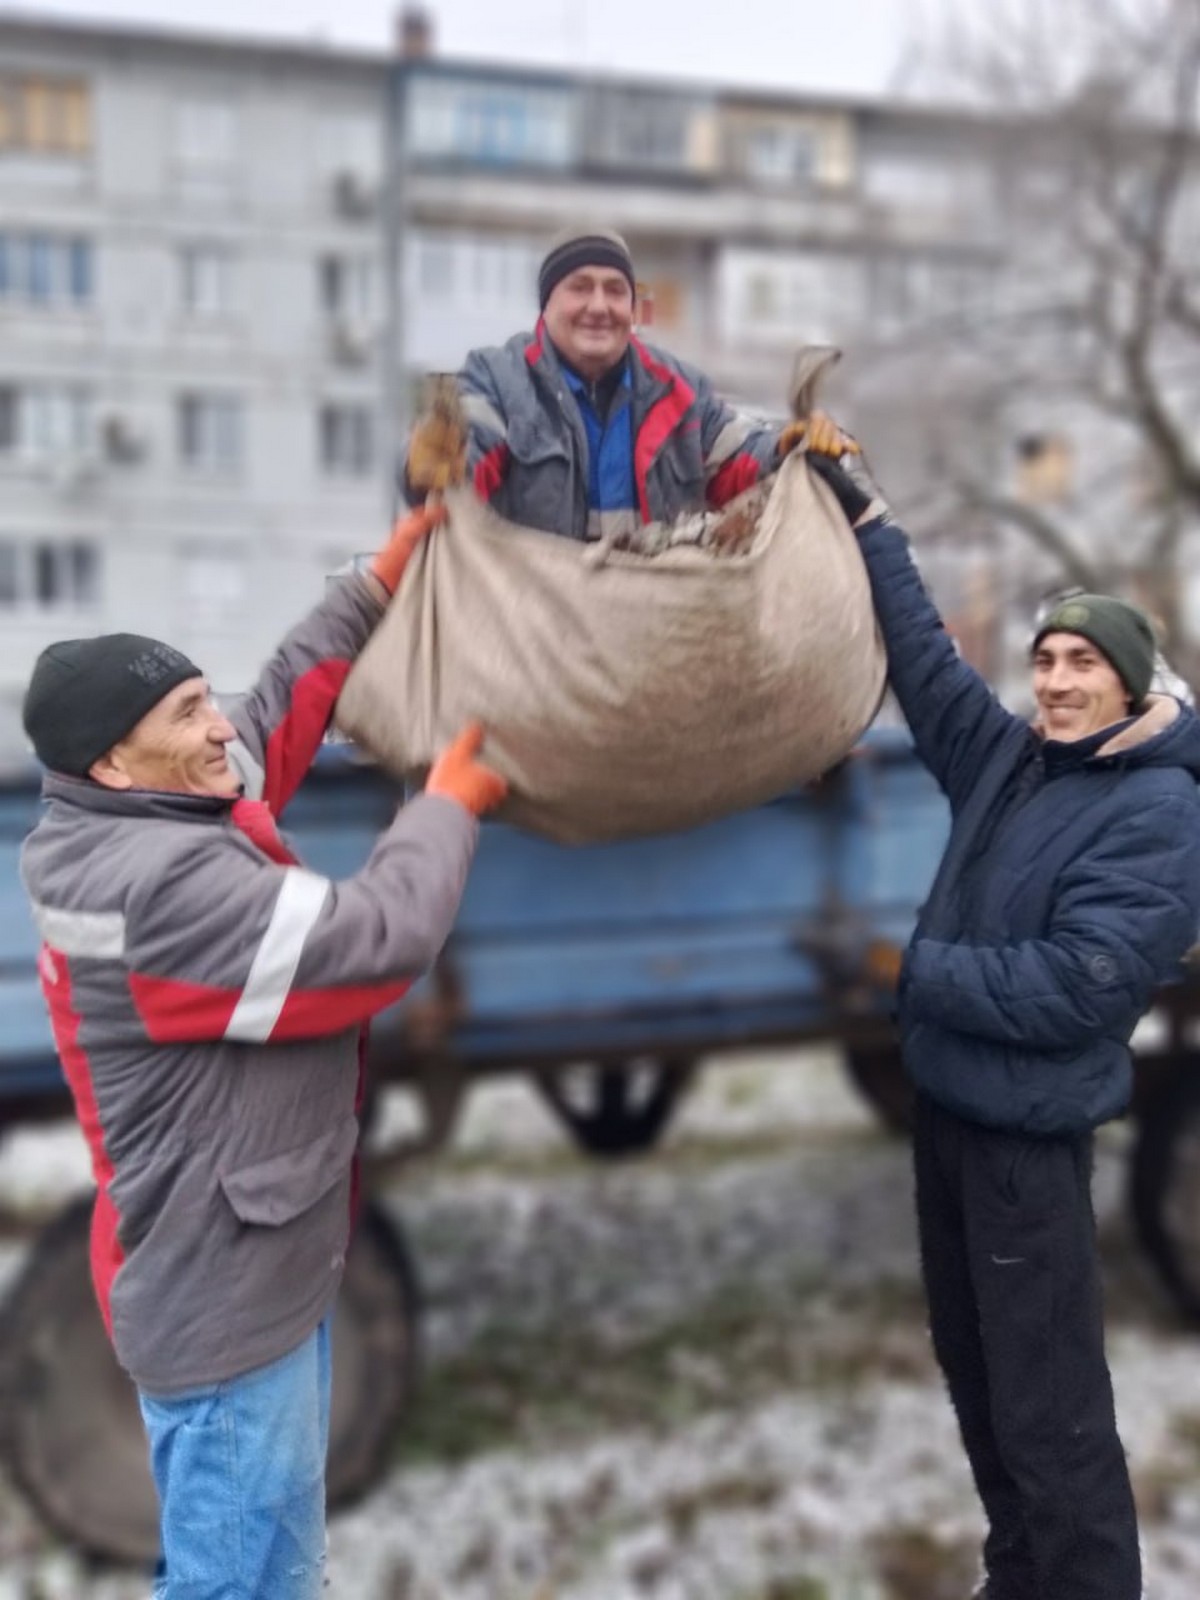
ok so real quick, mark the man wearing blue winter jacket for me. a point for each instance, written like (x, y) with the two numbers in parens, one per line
(1069, 890)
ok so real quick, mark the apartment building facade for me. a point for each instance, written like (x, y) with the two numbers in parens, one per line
(225, 266)
(757, 223)
(191, 299)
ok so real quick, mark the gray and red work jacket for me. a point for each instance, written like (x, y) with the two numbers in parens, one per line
(208, 996)
(528, 453)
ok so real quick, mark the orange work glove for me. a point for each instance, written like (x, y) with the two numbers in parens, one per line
(819, 434)
(459, 776)
(389, 564)
(437, 450)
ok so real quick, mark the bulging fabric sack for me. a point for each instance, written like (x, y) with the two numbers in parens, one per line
(627, 694)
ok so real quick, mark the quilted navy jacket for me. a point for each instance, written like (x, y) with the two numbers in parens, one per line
(1068, 892)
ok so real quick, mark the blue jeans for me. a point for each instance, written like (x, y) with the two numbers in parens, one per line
(240, 1472)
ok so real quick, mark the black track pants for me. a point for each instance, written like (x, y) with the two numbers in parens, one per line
(1008, 1248)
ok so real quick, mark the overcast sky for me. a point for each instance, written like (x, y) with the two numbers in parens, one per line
(844, 46)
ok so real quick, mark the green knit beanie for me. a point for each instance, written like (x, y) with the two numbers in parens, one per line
(1119, 631)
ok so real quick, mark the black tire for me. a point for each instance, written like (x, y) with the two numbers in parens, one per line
(376, 1355)
(878, 1074)
(617, 1108)
(70, 1429)
(1164, 1183)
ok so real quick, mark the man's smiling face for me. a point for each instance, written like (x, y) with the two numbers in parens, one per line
(177, 748)
(1078, 690)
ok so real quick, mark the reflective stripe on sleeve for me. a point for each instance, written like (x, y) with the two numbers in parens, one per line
(100, 934)
(727, 444)
(481, 413)
(301, 897)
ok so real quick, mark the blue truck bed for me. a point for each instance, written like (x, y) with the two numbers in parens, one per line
(752, 928)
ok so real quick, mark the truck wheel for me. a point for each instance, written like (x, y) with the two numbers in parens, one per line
(376, 1355)
(616, 1109)
(878, 1074)
(70, 1429)
(1164, 1183)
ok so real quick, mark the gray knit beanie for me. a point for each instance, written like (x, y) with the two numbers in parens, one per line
(1119, 631)
(85, 695)
(582, 247)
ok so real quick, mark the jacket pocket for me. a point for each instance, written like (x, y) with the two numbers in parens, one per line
(283, 1186)
(677, 484)
(540, 487)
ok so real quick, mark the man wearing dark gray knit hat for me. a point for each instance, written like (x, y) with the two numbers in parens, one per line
(580, 428)
(207, 996)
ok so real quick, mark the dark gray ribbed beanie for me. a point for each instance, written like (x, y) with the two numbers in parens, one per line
(85, 695)
(582, 247)
(1119, 631)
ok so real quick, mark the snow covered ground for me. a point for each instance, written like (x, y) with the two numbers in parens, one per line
(700, 1376)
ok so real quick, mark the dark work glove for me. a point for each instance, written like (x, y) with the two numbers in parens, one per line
(853, 486)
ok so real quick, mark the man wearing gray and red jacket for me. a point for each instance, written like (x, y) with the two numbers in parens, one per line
(581, 430)
(208, 996)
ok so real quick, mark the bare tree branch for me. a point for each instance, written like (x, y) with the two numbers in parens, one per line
(1048, 535)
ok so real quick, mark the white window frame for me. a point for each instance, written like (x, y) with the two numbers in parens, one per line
(47, 421)
(214, 585)
(346, 286)
(781, 155)
(206, 281)
(74, 568)
(56, 253)
(210, 433)
(346, 439)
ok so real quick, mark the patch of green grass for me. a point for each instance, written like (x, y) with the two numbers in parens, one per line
(798, 1587)
(914, 1565)
(687, 1154)
(684, 1508)
(1185, 1430)
(1157, 1484)
(512, 1387)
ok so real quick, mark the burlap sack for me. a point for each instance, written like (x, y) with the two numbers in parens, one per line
(630, 694)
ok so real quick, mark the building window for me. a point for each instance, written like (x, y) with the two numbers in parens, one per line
(206, 150)
(477, 270)
(493, 128)
(651, 134)
(782, 155)
(346, 286)
(210, 432)
(501, 124)
(47, 116)
(206, 280)
(45, 269)
(213, 588)
(435, 268)
(45, 421)
(347, 440)
(49, 575)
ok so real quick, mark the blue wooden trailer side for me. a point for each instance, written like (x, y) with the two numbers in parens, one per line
(753, 928)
